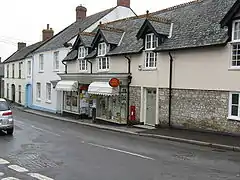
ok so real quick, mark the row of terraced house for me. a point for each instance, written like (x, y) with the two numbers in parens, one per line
(174, 67)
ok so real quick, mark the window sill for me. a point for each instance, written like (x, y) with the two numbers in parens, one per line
(49, 102)
(234, 68)
(56, 70)
(38, 100)
(103, 70)
(233, 118)
(148, 69)
(40, 71)
(83, 71)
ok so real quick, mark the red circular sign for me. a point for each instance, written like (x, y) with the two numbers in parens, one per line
(114, 82)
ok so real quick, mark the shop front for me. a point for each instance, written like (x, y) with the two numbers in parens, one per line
(111, 102)
(75, 98)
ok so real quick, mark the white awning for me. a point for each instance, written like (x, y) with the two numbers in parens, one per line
(102, 88)
(67, 86)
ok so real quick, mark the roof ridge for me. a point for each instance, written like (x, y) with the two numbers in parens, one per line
(177, 6)
(87, 33)
(158, 19)
(104, 27)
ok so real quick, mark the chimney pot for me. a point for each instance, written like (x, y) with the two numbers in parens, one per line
(125, 3)
(81, 13)
(21, 45)
(47, 33)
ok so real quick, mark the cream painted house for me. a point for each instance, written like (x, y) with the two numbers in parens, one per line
(48, 58)
(180, 65)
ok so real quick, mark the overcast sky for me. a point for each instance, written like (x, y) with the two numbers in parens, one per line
(23, 20)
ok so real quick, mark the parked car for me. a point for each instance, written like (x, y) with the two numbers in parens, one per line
(6, 117)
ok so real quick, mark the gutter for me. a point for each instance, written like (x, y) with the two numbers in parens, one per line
(170, 90)
(90, 65)
(65, 65)
(128, 89)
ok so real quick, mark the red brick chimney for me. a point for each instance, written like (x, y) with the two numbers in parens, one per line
(21, 45)
(47, 33)
(81, 13)
(125, 3)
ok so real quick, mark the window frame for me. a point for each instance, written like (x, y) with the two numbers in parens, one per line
(151, 42)
(29, 68)
(102, 49)
(236, 55)
(8, 90)
(38, 91)
(56, 61)
(41, 63)
(48, 93)
(20, 64)
(13, 71)
(100, 63)
(233, 30)
(8, 71)
(230, 116)
(147, 60)
(82, 52)
(83, 66)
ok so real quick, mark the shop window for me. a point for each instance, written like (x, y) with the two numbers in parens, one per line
(71, 101)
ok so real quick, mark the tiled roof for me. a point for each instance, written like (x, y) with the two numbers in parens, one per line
(72, 55)
(23, 53)
(71, 31)
(195, 24)
(112, 37)
(87, 39)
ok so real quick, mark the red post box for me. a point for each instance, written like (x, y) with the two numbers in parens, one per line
(133, 113)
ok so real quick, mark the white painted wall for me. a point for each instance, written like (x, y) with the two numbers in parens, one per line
(17, 81)
(48, 75)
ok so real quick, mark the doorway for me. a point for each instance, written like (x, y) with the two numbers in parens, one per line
(28, 95)
(150, 106)
(13, 92)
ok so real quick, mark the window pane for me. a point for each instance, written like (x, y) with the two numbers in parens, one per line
(4, 106)
(234, 111)
(104, 63)
(235, 99)
(100, 63)
(234, 63)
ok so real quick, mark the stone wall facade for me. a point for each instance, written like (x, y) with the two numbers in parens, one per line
(135, 100)
(197, 109)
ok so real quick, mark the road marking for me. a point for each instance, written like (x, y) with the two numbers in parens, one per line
(39, 176)
(121, 151)
(17, 168)
(44, 130)
(10, 178)
(1, 174)
(19, 122)
(3, 161)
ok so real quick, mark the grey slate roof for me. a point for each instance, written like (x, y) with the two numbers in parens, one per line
(23, 53)
(161, 28)
(112, 37)
(71, 31)
(72, 55)
(92, 54)
(195, 24)
(87, 40)
(1, 69)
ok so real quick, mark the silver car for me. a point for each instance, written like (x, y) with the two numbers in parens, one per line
(6, 117)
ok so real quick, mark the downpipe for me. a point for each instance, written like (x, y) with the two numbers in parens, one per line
(128, 89)
(170, 90)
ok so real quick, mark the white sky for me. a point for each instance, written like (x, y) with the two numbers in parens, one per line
(24, 20)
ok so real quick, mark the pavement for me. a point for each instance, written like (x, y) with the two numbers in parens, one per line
(226, 142)
(46, 149)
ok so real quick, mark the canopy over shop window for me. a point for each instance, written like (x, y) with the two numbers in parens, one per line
(102, 88)
(67, 86)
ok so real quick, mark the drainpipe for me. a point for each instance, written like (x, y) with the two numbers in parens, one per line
(90, 65)
(170, 91)
(128, 88)
(65, 65)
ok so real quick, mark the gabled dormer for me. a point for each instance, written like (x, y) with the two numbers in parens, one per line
(232, 21)
(154, 31)
(106, 39)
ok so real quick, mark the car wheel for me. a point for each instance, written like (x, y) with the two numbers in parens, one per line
(10, 131)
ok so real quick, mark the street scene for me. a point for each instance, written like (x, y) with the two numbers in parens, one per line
(50, 149)
(120, 90)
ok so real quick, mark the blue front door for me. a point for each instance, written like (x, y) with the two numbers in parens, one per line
(28, 95)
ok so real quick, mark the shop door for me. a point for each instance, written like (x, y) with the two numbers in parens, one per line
(13, 92)
(150, 107)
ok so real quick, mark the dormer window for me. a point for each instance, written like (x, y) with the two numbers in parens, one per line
(102, 49)
(235, 61)
(151, 41)
(82, 52)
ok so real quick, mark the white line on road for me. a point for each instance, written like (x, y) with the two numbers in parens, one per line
(1, 174)
(44, 130)
(39, 176)
(121, 151)
(17, 168)
(3, 161)
(10, 178)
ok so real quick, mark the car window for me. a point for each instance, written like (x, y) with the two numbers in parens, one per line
(4, 106)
